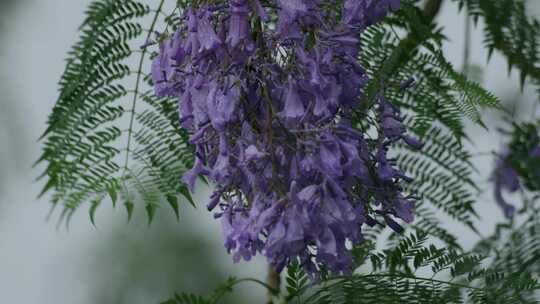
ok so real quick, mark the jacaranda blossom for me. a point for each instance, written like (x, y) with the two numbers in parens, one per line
(268, 90)
(506, 177)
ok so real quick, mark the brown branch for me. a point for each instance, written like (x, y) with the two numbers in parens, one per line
(273, 280)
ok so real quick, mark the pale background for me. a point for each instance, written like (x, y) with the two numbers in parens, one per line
(43, 264)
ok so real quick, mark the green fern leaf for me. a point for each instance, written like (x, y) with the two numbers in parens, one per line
(97, 112)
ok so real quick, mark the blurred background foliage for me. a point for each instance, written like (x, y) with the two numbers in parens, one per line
(13, 154)
(137, 264)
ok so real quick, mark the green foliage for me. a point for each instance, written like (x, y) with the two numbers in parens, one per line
(525, 139)
(440, 94)
(410, 271)
(105, 136)
(510, 30)
(515, 247)
(435, 107)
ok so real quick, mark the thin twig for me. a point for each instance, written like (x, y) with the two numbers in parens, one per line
(409, 44)
(273, 280)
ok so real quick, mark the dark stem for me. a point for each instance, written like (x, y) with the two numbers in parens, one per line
(432, 8)
(467, 47)
(273, 280)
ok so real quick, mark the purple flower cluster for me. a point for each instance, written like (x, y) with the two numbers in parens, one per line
(268, 89)
(506, 177)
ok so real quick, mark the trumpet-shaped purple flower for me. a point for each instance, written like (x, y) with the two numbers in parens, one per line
(505, 178)
(294, 105)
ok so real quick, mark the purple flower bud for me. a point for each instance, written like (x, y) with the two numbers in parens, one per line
(261, 11)
(508, 209)
(186, 110)
(238, 24)
(213, 202)
(327, 242)
(221, 170)
(505, 178)
(415, 143)
(392, 127)
(192, 20)
(197, 136)
(191, 176)
(508, 178)
(377, 10)
(330, 159)
(535, 152)
(404, 209)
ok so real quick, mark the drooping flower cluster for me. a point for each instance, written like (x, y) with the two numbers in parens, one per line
(268, 89)
(506, 177)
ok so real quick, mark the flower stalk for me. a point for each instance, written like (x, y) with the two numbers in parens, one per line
(273, 280)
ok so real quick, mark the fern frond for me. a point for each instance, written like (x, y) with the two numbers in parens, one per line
(436, 107)
(96, 114)
(511, 31)
(297, 282)
(412, 271)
